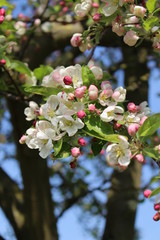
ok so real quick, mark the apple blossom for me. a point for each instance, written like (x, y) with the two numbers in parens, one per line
(93, 92)
(131, 107)
(147, 193)
(81, 10)
(71, 126)
(96, 17)
(133, 128)
(105, 97)
(91, 107)
(139, 157)
(139, 11)
(75, 152)
(119, 153)
(119, 94)
(76, 39)
(111, 6)
(82, 142)
(112, 113)
(32, 111)
(79, 92)
(81, 114)
(131, 38)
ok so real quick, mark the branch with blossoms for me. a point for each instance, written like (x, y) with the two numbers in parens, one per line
(135, 22)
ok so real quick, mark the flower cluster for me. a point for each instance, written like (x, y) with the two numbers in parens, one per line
(74, 101)
(130, 20)
(2, 15)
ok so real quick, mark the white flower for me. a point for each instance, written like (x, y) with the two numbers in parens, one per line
(20, 28)
(97, 71)
(75, 73)
(32, 111)
(112, 113)
(81, 10)
(50, 109)
(119, 154)
(71, 126)
(54, 79)
(70, 107)
(132, 118)
(119, 94)
(131, 38)
(112, 6)
(143, 110)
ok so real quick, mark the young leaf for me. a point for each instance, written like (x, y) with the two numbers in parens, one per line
(57, 146)
(151, 5)
(87, 76)
(65, 151)
(151, 152)
(155, 192)
(150, 23)
(45, 91)
(150, 125)
(20, 67)
(42, 71)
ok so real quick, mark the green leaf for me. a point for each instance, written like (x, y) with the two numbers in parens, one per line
(155, 192)
(20, 67)
(151, 152)
(57, 146)
(65, 151)
(150, 126)
(42, 71)
(150, 23)
(87, 76)
(4, 3)
(97, 146)
(45, 91)
(155, 179)
(151, 5)
(96, 128)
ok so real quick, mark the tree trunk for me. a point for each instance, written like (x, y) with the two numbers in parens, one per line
(123, 195)
(39, 220)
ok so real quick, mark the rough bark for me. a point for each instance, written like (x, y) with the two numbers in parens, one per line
(123, 195)
(39, 218)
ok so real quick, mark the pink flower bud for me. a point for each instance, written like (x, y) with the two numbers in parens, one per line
(106, 85)
(81, 114)
(67, 80)
(2, 12)
(62, 3)
(116, 95)
(22, 140)
(139, 157)
(95, 5)
(157, 206)
(93, 92)
(1, 19)
(156, 217)
(102, 152)
(71, 96)
(3, 62)
(76, 40)
(65, 9)
(73, 164)
(139, 11)
(133, 128)
(147, 193)
(79, 92)
(132, 107)
(91, 107)
(37, 22)
(96, 17)
(98, 111)
(75, 152)
(130, 38)
(82, 142)
(143, 120)
(117, 126)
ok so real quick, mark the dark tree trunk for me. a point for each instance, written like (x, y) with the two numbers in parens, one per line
(39, 220)
(123, 195)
